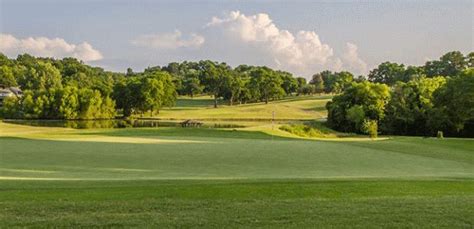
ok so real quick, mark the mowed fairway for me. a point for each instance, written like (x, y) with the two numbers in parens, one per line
(225, 178)
(299, 108)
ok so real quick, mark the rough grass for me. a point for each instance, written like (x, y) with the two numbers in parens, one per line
(312, 129)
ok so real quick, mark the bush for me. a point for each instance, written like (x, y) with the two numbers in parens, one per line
(440, 135)
(370, 127)
(310, 129)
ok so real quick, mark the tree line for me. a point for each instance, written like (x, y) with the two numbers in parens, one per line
(392, 98)
(69, 89)
(414, 100)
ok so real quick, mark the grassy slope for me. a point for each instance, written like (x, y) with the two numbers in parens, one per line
(300, 108)
(225, 154)
(172, 177)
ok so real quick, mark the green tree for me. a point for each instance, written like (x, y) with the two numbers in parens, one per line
(372, 97)
(301, 83)
(69, 103)
(40, 77)
(148, 92)
(289, 84)
(341, 81)
(7, 78)
(388, 73)
(454, 104)
(450, 64)
(356, 115)
(410, 106)
(213, 77)
(318, 82)
(336, 82)
(266, 84)
(191, 84)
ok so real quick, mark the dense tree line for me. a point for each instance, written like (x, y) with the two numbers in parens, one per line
(438, 96)
(242, 84)
(70, 89)
(392, 99)
(56, 89)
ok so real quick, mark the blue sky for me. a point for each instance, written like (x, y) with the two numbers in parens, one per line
(303, 37)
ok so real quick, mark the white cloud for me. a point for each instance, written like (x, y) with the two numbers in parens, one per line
(237, 38)
(303, 52)
(169, 40)
(42, 46)
(352, 61)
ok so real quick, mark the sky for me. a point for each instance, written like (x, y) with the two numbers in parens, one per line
(299, 36)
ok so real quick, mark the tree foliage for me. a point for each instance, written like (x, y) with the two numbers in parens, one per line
(360, 98)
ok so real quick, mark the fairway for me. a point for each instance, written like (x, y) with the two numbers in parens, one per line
(179, 153)
(295, 108)
(178, 177)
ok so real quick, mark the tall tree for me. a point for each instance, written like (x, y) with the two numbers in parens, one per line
(213, 76)
(40, 76)
(450, 64)
(454, 104)
(370, 99)
(410, 106)
(7, 78)
(266, 84)
(318, 82)
(388, 73)
(191, 84)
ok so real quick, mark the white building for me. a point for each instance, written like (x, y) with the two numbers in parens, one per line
(6, 92)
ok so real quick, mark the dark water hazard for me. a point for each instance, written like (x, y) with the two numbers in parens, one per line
(114, 123)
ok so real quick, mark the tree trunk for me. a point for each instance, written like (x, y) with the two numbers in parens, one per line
(266, 99)
(232, 100)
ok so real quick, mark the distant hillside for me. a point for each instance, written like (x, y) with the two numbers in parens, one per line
(295, 108)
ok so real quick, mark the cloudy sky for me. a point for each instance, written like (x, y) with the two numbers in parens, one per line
(300, 36)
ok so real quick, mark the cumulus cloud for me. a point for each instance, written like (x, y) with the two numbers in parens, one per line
(237, 38)
(302, 52)
(43, 46)
(352, 60)
(172, 40)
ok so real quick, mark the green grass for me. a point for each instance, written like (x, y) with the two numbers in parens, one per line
(237, 204)
(231, 178)
(294, 108)
(312, 129)
(227, 154)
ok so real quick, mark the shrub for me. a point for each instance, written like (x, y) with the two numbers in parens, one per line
(370, 127)
(440, 135)
(310, 129)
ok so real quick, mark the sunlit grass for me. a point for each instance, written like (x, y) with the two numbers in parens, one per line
(294, 108)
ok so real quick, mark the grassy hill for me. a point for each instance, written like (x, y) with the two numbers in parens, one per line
(294, 108)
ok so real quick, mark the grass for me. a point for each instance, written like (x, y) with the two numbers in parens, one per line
(295, 108)
(312, 129)
(238, 204)
(257, 176)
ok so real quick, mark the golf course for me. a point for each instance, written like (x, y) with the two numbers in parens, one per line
(255, 175)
